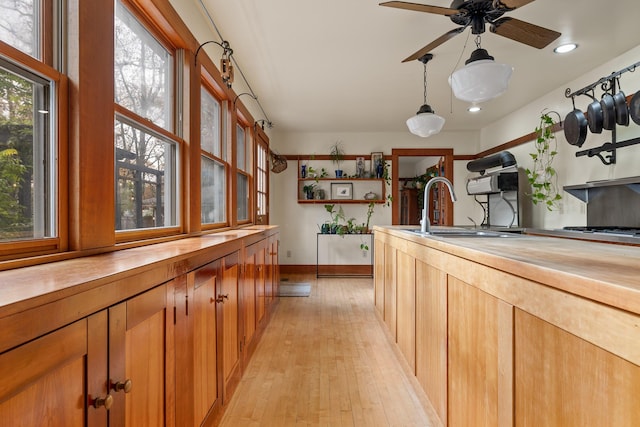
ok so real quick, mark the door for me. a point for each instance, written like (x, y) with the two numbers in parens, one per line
(43, 380)
(141, 368)
(228, 332)
(203, 315)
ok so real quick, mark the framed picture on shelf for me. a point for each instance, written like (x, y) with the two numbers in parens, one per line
(341, 190)
(360, 168)
(376, 157)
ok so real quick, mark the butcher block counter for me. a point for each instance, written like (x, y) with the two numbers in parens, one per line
(170, 325)
(516, 330)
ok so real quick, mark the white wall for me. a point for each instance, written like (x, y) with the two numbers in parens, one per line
(299, 221)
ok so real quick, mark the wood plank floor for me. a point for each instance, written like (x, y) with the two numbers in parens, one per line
(325, 360)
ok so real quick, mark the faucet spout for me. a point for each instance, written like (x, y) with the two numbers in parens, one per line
(425, 225)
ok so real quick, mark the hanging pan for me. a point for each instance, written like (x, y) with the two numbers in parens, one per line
(575, 127)
(634, 108)
(594, 116)
(608, 111)
(621, 108)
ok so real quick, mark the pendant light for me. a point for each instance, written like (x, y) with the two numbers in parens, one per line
(481, 79)
(425, 123)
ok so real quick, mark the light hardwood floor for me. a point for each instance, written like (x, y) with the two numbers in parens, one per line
(325, 360)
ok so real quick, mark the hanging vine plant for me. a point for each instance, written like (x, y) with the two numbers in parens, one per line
(542, 176)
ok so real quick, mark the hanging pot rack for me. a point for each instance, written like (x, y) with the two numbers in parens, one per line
(608, 85)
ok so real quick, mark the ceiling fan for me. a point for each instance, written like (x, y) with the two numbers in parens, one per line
(477, 13)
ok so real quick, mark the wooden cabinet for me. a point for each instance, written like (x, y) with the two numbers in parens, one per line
(406, 307)
(431, 335)
(254, 295)
(125, 356)
(198, 359)
(43, 380)
(379, 267)
(390, 302)
(475, 323)
(229, 297)
(563, 380)
(141, 354)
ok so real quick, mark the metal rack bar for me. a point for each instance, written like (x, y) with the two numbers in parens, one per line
(611, 77)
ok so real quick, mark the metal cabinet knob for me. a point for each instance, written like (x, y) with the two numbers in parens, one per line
(106, 401)
(122, 386)
(221, 298)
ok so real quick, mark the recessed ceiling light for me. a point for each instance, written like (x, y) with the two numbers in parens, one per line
(474, 109)
(564, 48)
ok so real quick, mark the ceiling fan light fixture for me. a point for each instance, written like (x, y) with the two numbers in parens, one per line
(425, 123)
(565, 48)
(481, 79)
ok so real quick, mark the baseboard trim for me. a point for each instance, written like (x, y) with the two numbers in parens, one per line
(328, 270)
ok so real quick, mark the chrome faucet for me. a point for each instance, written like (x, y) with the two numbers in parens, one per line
(425, 225)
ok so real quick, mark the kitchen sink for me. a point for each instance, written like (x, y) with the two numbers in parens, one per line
(459, 232)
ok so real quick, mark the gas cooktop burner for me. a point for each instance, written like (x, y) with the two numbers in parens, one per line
(621, 231)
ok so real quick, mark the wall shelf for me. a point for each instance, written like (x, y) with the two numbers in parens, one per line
(351, 189)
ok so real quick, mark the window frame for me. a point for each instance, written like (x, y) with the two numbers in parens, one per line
(247, 172)
(169, 132)
(208, 84)
(57, 150)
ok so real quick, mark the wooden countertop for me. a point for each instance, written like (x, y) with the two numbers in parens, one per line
(28, 287)
(602, 272)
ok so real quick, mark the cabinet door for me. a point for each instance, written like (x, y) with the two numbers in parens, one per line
(379, 276)
(406, 308)
(230, 331)
(248, 297)
(261, 304)
(563, 380)
(203, 320)
(141, 368)
(431, 335)
(480, 343)
(390, 289)
(43, 381)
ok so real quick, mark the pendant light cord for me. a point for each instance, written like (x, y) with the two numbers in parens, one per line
(425, 82)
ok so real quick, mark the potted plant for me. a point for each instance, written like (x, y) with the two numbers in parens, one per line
(308, 190)
(542, 177)
(337, 157)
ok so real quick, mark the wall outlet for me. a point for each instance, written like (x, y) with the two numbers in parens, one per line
(288, 254)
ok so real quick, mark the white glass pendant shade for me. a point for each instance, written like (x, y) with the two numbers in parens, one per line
(481, 79)
(425, 123)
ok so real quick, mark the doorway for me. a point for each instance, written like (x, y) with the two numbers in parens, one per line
(402, 162)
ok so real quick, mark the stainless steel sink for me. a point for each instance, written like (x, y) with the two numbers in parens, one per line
(459, 232)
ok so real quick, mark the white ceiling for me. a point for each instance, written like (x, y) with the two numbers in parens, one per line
(335, 65)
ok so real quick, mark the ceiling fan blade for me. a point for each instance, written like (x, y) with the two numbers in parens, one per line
(437, 42)
(513, 4)
(524, 32)
(421, 7)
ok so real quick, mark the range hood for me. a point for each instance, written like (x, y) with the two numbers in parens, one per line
(611, 202)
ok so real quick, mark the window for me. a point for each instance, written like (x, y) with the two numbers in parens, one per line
(213, 182)
(146, 150)
(262, 181)
(20, 24)
(27, 150)
(242, 176)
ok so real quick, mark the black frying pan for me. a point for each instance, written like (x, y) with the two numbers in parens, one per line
(621, 108)
(575, 127)
(634, 108)
(594, 116)
(608, 111)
